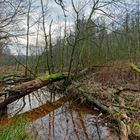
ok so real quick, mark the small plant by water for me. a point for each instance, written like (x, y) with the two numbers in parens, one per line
(15, 130)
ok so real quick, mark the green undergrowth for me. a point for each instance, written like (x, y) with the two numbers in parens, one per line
(15, 130)
(136, 128)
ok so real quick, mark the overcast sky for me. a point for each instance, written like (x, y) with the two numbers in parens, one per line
(55, 13)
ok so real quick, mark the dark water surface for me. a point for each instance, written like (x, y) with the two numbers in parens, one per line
(51, 117)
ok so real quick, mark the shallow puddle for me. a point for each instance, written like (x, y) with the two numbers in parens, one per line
(31, 101)
(69, 124)
(52, 117)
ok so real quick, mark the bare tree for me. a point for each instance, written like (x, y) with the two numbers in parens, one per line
(28, 30)
(50, 47)
(45, 36)
(10, 15)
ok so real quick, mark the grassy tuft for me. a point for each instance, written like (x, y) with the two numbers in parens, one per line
(15, 131)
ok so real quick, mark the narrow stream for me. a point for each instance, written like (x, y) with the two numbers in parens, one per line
(50, 118)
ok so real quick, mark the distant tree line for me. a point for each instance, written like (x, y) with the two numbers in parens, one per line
(92, 39)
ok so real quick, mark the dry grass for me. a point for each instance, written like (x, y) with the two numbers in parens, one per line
(11, 69)
(103, 84)
(119, 73)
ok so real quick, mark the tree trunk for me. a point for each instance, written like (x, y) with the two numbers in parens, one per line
(26, 88)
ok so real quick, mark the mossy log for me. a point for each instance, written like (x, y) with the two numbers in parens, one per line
(26, 88)
(92, 101)
(13, 78)
(119, 120)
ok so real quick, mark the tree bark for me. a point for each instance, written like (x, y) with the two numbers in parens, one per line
(120, 121)
(26, 88)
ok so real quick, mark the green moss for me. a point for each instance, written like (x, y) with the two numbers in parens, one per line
(87, 96)
(46, 72)
(118, 114)
(53, 76)
(137, 125)
(135, 68)
(136, 128)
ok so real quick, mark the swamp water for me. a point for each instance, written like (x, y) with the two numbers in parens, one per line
(50, 118)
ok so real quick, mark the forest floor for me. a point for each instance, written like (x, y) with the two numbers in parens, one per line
(11, 69)
(109, 85)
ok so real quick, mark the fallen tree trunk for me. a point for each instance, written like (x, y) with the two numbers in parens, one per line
(94, 102)
(26, 88)
(120, 121)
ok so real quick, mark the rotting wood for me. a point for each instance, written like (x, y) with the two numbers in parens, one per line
(13, 78)
(120, 90)
(26, 88)
(124, 121)
(121, 121)
(127, 107)
(92, 101)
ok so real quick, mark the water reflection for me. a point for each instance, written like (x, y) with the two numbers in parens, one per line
(51, 117)
(29, 102)
(69, 124)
